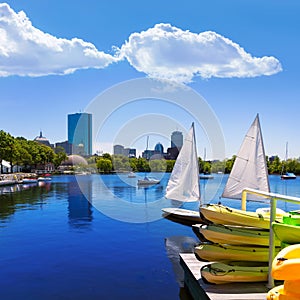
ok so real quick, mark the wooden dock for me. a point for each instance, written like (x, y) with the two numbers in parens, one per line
(200, 290)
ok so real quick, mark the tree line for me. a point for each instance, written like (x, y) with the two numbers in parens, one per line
(109, 163)
(27, 154)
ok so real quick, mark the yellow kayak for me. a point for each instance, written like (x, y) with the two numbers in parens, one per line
(220, 273)
(279, 293)
(286, 264)
(237, 235)
(287, 233)
(220, 214)
(221, 253)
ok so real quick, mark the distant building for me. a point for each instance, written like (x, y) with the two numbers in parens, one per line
(66, 146)
(176, 145)
(120, 150)
(80, 133)
(176, 139)
(159, 148)
(42, 140)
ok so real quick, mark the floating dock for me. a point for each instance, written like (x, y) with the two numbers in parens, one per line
(233, 291)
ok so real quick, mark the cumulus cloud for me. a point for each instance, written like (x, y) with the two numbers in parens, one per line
(27, 51)
(167, 52)
(162, 52)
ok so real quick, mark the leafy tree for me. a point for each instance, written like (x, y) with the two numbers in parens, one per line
(104, 165)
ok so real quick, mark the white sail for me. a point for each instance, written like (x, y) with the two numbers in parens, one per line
(184, 184)
(250, 167)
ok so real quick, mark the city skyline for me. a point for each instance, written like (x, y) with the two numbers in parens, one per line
(74, 62)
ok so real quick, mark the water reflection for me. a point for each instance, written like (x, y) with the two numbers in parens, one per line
(79, 204)
(21, 196)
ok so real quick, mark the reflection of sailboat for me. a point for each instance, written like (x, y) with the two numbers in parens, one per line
(249, 171)
(287, 175)
(183, 184)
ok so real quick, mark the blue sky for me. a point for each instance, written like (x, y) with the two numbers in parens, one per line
(252, 66)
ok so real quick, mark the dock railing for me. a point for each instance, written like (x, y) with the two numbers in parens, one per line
(273, 197)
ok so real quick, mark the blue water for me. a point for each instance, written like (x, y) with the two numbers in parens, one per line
(96, 237)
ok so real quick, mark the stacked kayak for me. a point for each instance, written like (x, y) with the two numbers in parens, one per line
(237, 242)
(233, 234)
(220, 273)
(226, 253)
(286, 267)
(220, 214)
(289, 230)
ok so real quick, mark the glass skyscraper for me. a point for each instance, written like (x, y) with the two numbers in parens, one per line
(80, 133)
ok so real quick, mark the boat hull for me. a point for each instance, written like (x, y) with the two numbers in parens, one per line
(237, 235)
(225, 253)
(220, 214)
(181, 215)
(287, 233)
(220, 273)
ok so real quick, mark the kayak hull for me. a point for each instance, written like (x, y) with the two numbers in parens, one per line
(220, 214)
(220, 273)
(225, 253)
(237, 235)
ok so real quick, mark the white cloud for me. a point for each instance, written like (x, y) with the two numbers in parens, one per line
(162, 52)
(167, 52)
(27, 51)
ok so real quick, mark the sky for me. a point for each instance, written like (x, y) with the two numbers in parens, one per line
(242, 57)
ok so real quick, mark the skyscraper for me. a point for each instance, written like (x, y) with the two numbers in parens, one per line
(176, 139)
(80, 133)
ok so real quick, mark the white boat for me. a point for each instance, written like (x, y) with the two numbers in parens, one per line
(148, 181)
(249, 171)
(131, 175)
(287, 175)
(206, 176)
(29, 180)
(44, 178)
(7, 182)
(183, 184)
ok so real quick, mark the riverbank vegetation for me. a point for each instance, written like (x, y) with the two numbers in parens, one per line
(30, 154)
(27, 154)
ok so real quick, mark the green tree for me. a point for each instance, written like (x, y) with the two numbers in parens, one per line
(104, 165)
(170, 165)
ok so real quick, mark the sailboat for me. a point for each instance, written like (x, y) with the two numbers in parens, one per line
(184, 185)
(249, 171)
(287, 175)
(147, 181)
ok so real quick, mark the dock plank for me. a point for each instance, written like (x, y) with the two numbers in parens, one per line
(233, 291)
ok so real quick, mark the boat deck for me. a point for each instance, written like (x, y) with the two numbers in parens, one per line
(200, 290)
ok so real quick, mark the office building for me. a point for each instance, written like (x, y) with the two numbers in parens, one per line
(176, 140)
(80, 133)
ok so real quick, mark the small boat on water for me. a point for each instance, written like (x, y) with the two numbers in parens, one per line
(221, 273)
(288, 175)
(184, 216)
(7, 182)
(131, 175)
(147, 181)
(46, 177)
(183, 184)
(206, 176)
(29, 180)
